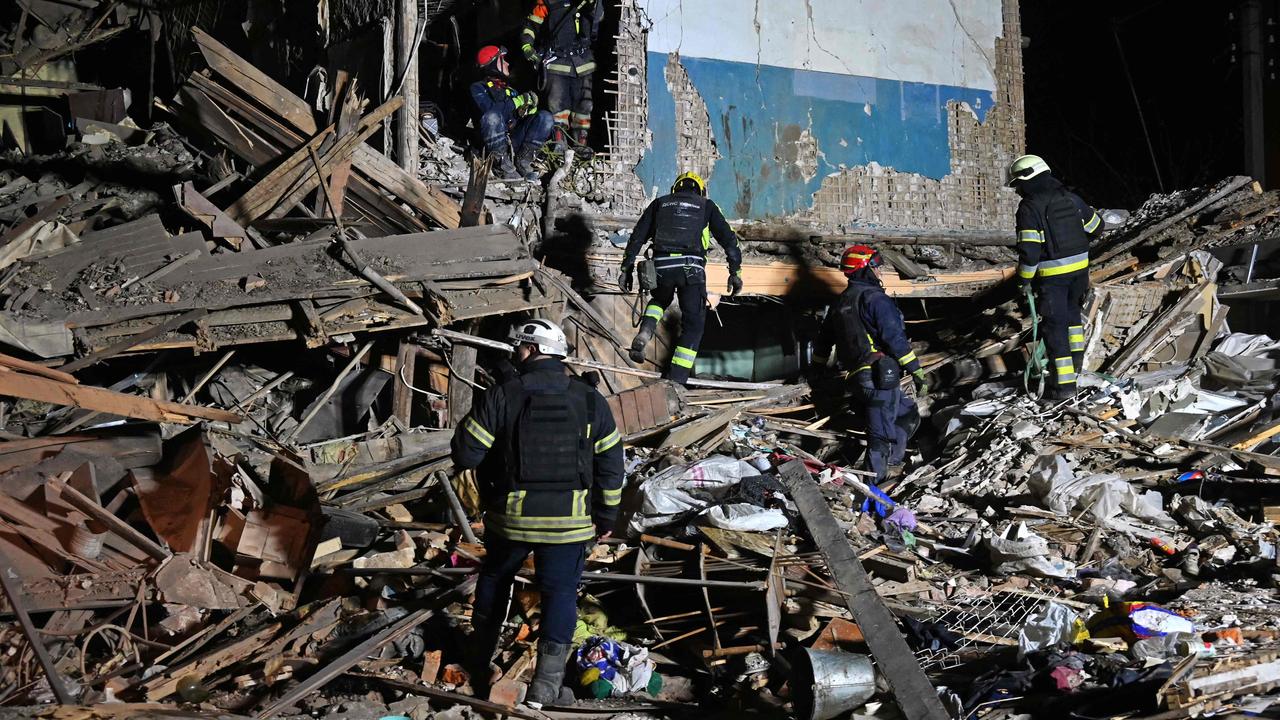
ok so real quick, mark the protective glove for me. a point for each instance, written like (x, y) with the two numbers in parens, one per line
(877, 502)
(735, 284)
(626, 278)
(922, 387)
(528, 103)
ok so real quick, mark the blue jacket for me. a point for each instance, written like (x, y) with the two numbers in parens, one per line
(493, 94)
(882, 319)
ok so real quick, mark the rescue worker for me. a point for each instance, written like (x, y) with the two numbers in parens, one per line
(548, 461)
(1055, 228)
(509, 121)
(872, 349)
(558, 36)
(681, 226)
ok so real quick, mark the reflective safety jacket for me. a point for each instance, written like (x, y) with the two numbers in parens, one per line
(568, 29)
(1055, 228)
(547, 454)
(862, 322)
(681, 226)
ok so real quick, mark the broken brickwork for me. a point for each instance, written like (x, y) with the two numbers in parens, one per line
(971, 196)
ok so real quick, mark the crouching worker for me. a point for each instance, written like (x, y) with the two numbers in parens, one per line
(872, 349)
(548, 461)
(510, 121)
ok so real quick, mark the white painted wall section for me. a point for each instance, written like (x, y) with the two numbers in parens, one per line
(939, 42)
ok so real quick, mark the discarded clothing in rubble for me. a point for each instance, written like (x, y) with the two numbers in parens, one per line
(1054, 624)
(681, 491)
(1136, 620)
(1102, 497)
(609, 668)
(931, 636)
(1019, 550)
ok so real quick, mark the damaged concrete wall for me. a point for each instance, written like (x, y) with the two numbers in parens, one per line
(836, 112)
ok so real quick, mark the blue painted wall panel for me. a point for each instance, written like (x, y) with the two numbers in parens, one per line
(758, 111)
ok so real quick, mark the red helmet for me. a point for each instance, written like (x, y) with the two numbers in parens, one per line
(856, 257)
(489, 55)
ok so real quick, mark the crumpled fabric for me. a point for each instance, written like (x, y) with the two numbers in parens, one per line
(684, 490)
(930, 635)
(627, 668)
(1054, 624)
(1102, 497)
(743, 516)
(1020, 550)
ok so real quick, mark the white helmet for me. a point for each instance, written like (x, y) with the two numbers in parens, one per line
(1025, 168)
(545, 334)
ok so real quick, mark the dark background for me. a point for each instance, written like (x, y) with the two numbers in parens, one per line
(1184, 59)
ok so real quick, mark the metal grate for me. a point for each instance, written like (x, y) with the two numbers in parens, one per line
(998, 616)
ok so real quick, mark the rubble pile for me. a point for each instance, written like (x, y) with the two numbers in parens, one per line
(237, 345)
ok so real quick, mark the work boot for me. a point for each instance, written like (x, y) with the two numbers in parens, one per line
(642, 339)
(478, 656)
(524, 162)
(1058, 393)
(548, 687)
(580, 141)
(503, 168)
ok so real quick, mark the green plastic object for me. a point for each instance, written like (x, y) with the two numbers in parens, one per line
(1037, 370)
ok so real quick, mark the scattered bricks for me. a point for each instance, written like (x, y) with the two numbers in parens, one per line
(508, 692)
(453, 674)
(431, 662)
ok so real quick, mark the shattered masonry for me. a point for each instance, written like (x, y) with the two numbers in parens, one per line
(970, 197)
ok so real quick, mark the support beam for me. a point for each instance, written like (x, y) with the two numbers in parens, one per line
(915, 695)
(407, 63)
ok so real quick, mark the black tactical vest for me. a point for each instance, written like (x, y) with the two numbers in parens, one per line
(678, 226)
(854, 347)
(1064, 230)
(569, 23)
(548, 446)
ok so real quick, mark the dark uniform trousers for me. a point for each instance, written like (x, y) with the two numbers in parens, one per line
(891, 419)
(1061, 298)
(558, 571)
(686, 283)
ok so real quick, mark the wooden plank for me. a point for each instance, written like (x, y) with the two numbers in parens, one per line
(402, 397)
(14, 363)
(1154, 230)
(32, 387)
(462, 372)
(915, 695)
(132, 341)
(347, 660)
(91, 508)
(378, 169)
(9, 582)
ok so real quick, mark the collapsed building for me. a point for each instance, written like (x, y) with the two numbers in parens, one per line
(254, 271)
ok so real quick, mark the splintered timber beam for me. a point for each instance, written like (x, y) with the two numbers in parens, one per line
(32, 387)
(915, 695)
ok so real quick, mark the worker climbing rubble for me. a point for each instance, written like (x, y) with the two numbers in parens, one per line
(510, 121)
(680, 225)
(866, 329)
(549, 464)
(1055, 228)
(559, 37)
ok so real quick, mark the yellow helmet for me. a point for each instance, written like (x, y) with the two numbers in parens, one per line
(692, 177)
(1026, 167)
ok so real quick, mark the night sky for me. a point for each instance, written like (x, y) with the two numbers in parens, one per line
(1081, 115)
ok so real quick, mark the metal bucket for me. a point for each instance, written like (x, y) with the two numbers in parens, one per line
(827, 683)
